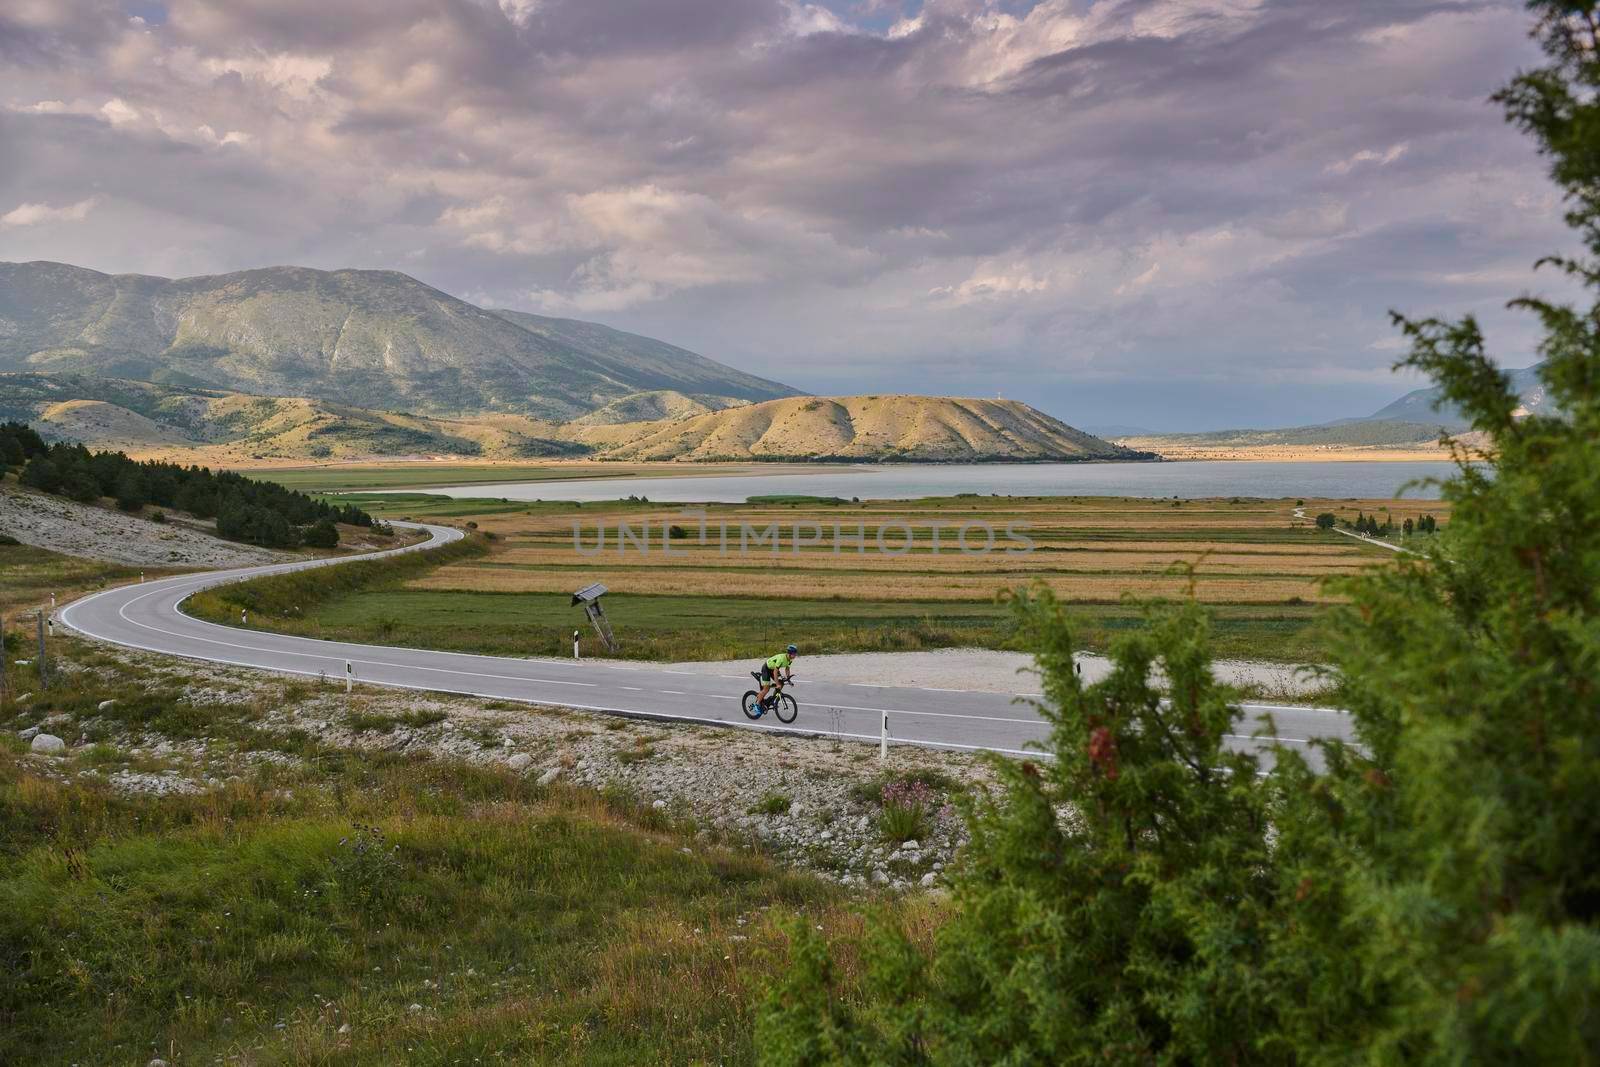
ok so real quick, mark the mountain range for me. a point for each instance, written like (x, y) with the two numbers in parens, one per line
(289, 363)
(1413, 423)
(364, 338)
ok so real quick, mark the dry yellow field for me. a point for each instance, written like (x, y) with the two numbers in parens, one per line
(1086, 550)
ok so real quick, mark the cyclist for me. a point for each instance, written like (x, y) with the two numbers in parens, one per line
(770, 671)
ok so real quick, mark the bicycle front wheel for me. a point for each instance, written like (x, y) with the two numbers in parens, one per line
(787, 709)
(752, 706)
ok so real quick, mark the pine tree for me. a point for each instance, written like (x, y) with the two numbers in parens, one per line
(1432, 896)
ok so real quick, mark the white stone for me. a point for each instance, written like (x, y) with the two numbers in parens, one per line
(927, 880)
(658, 804)
(48, 744)
(550, 776)
(911, 846)
(156, 1063)
(414, 1008)
(344, 1029)
(520, 762)
(29, 733)
(880, 877)
(104, 705)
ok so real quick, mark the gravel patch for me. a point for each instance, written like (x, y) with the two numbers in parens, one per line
(62, 525)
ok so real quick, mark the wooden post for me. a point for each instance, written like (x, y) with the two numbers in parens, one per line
(44, 665)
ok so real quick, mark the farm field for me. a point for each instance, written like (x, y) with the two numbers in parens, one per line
(758, 575)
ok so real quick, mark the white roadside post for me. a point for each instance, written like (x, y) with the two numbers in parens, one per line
(575, 654)
(349, 677)
(883, 739)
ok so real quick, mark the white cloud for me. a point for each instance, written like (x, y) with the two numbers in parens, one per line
(1367, 155)
(33, 214)
(117, 112)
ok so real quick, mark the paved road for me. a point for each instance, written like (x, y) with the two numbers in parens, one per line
(147, 616)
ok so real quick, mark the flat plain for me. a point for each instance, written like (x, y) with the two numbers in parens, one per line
(732, 580)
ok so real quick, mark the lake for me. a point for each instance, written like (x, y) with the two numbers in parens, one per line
(904, 481)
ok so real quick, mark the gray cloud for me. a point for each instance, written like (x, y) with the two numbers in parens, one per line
(1061, 201)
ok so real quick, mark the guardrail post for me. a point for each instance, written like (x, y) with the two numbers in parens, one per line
(349, 677)
(244, 617)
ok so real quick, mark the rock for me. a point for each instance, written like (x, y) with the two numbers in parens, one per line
(550, 776)
(520, 762)
(880, 877)
(345, 1028)
(28, 734)
(156, 1063)
(413, 1009)
(658, 804)
(910, 846)
(104, 705)
(25, 697)
(48, 745)
(928, 880)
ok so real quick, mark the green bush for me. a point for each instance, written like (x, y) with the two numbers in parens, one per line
(1432, 896)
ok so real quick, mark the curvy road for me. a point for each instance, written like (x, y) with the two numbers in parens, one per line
(148, 616)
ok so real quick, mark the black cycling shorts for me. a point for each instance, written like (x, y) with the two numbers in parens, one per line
(766, 672)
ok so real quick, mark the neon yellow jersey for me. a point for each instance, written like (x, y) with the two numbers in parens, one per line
(779, 661)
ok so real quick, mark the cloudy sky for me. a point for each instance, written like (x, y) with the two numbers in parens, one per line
(1169, 213)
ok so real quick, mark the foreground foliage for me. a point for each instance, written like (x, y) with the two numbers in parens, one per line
(1147, 896)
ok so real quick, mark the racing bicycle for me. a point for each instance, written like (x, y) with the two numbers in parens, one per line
(779, 702)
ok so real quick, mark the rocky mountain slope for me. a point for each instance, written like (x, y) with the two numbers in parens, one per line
(1424, 405)
(362, 338)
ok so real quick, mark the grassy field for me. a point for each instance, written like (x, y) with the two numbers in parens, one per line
(28, 576)
(363, 907)
(697, 595)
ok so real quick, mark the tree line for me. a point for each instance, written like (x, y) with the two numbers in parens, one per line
(1369, 524)
(256, 512)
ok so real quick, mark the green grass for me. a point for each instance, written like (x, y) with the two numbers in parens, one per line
(530, 925)
(772, 804)
(29, 575)
(362, 721)
(672, 628)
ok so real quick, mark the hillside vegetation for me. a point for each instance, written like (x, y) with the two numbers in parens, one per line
(364, 338)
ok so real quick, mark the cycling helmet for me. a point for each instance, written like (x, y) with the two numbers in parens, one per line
(792, 650)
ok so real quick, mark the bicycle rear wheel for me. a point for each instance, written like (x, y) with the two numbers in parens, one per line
(787, 709)
(751, 706)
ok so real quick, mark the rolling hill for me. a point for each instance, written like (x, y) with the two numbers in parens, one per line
(930, 429)
(239, 429)
(362, 338)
